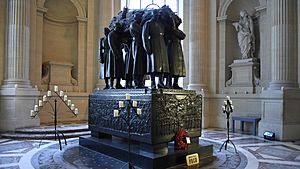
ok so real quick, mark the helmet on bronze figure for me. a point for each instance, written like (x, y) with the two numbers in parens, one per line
(106, 31)
(118, 26)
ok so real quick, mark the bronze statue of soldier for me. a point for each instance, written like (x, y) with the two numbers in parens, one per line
(138, 51)
(175, 54)
(104, 58)
(129, 64)
(115, 41)
(155, 46)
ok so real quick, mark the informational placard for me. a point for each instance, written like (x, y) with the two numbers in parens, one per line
(188, 140)
(192, 159)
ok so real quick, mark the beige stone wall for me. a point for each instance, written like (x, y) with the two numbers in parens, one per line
(2, 37)
(93, 32)
(227, 50)
(80, 101)
(274, 105)
(185, 15)
(69, 31)
(222, 50)
(60, 42)
(107, 9)
(66, 32)
(34, 71)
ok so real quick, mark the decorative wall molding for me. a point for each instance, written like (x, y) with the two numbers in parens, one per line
(82, 19)
(222, 18)
(41, 10)
(80, 9)
(56, 20)
(223, 8)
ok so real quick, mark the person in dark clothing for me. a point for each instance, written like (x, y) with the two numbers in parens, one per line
(175, 54)
(155, 46)
(115, 41)
(104, 57)
(129, 63)
(138, 52)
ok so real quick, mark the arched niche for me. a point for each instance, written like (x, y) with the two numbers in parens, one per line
(229, 50)
(60, 32)
(63, 40)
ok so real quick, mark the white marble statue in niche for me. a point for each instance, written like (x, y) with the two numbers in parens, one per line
(246, 38)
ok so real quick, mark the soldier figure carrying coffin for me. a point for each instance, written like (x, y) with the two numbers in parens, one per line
(104, 57)
(138, 52)
(115, 41)
(155, 46)
(176, 59)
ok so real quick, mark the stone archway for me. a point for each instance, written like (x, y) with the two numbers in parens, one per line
(68, 17)
(228, 46)
(80, 9)
(61, 33)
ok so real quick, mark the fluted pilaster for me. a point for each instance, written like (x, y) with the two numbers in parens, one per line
(105, 14)
(17, 96)
(198, 45)
(284, 44)
(82, 46)
(17, 48)
(35, 69)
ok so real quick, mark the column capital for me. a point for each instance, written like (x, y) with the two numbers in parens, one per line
(222, 18)
(81, 19)
(261, 8)
(41, 10)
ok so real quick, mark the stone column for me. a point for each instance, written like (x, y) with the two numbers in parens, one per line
(82, 38)
(279, 107)
(17, 47)
(91, 53)
(40, 12)
(185, 45)
(17, 96)
(284, 44)
(105, 15)
(198, 45)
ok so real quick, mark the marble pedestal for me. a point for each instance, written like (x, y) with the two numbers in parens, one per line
(15, 106)
(245, 76)
(58, 73)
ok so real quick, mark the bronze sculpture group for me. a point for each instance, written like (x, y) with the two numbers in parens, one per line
(143, 42)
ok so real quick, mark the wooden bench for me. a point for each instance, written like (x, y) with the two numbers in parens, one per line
(253, 119)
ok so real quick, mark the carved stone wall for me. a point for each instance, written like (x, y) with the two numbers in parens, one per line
(164, 112)
(229, 50)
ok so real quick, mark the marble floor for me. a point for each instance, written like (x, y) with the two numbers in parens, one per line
(253, 153)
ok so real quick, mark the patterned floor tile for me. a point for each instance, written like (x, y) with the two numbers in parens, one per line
(266, 154)
(276, 166)
(280, 152)
(9, 160)
(249, 141)
(12, 167)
